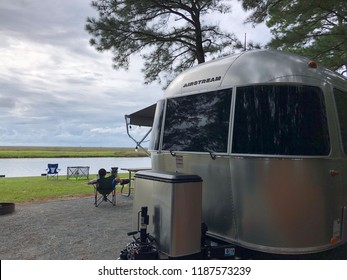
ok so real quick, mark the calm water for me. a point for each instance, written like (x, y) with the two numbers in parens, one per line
(37, 166)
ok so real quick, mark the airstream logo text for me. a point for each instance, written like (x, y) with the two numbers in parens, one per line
(203, 81)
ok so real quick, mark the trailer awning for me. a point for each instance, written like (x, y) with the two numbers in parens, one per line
(143, 117)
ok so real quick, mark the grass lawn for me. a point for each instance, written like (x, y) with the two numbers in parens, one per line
(36, 189)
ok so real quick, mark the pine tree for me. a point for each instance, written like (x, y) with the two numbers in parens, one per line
(170, 35)
(316, 29)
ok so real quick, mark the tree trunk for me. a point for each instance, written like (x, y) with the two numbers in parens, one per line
(200, 54)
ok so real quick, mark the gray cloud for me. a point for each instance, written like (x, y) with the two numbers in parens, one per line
(57, 90)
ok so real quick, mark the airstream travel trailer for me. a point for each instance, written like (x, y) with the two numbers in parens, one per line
(267, 133)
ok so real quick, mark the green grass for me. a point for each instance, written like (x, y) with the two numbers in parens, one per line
(33, 189)
(67, 152)
(36, 189)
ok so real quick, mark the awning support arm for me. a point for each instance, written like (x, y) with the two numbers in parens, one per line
(138, 143)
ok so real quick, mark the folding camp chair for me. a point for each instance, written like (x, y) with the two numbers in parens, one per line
(105, 187)
(52, 170)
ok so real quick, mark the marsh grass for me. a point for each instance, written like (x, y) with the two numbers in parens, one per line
(36, 189)
(67, 152)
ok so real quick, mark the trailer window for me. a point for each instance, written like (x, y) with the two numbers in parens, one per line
(280, 120)
(157, 124)
(198, 123)
(341, 106)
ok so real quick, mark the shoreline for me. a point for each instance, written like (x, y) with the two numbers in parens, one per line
(7, 152)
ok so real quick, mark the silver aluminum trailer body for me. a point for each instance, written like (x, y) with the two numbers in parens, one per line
(267, 133)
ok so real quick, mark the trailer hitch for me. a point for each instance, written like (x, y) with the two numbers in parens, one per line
(142, 247)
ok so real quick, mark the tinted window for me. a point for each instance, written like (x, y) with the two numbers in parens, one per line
(157, 124)
(280, 120)
(341, 105)
(198, 122)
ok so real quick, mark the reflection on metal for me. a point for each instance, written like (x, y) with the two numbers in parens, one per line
(278, 181)
(174, 210)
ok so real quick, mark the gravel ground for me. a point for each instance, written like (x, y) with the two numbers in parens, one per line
(75, 229)
(66, 230)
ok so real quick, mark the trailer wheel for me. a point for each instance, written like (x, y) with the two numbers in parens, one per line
(6, 208)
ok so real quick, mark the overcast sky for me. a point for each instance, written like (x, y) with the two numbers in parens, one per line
(56, 90)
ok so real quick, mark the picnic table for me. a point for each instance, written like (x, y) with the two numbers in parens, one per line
(131, 171)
